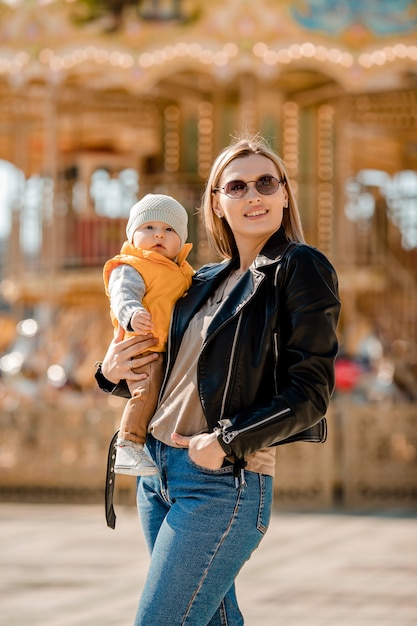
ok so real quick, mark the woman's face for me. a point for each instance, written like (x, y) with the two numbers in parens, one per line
(256, 216)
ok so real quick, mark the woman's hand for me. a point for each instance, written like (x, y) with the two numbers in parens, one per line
(204, 449)
(122, 356)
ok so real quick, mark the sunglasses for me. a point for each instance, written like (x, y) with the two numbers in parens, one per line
(266, 185)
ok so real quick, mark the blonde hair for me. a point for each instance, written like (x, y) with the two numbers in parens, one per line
(219, 232)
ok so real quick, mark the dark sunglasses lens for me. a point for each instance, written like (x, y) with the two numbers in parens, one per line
(267, 185)
(235, 189)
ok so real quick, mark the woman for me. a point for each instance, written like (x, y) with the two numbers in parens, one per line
(250, 364)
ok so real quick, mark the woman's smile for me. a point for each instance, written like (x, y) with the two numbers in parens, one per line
(256, 213)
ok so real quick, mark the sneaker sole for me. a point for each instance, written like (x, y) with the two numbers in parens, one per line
(128, 471)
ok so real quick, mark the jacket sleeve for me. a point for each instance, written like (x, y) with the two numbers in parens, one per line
(309, 309)
(117, 389)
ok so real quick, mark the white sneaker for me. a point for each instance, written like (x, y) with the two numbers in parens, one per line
(131, 459)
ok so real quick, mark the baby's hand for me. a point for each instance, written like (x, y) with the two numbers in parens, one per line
(141, 322)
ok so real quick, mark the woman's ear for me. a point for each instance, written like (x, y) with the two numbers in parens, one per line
(215, 205)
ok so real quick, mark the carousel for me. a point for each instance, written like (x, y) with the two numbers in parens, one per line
(102, 102)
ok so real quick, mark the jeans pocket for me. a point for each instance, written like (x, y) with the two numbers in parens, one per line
(265, 503)
(225, 469)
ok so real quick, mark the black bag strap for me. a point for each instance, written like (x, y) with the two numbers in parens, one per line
(110, 483)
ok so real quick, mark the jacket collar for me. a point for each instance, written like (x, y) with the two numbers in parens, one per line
(208, 279)
(247, 286)
(270, 253)
(272, 250)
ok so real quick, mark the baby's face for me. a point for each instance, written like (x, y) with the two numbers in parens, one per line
(158, 236)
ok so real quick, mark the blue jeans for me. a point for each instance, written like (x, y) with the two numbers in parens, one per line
(200, 530)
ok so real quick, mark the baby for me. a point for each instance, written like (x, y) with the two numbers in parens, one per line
(143, 283)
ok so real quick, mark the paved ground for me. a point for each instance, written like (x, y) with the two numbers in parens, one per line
(61, 566)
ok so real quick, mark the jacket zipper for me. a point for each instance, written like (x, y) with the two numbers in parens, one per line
(276, 354)
(233, 351)
(229, 369)
(230, 436)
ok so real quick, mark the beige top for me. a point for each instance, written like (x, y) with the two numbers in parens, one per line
(180, 409)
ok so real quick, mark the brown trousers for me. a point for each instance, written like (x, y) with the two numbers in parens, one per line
(141, 406)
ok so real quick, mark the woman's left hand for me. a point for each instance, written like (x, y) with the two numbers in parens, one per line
(204, 449)
(123, 354)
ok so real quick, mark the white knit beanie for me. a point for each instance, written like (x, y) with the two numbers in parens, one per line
(158, 208)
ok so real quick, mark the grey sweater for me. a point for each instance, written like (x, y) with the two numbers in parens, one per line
(126, 289)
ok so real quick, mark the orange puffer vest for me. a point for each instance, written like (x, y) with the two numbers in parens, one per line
(165, 282)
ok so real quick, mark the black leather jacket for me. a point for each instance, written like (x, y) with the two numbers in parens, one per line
(266, 368)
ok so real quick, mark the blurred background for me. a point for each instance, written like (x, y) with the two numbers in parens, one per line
(102, 102)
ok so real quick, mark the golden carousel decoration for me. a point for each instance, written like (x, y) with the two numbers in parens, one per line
(104, 101)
